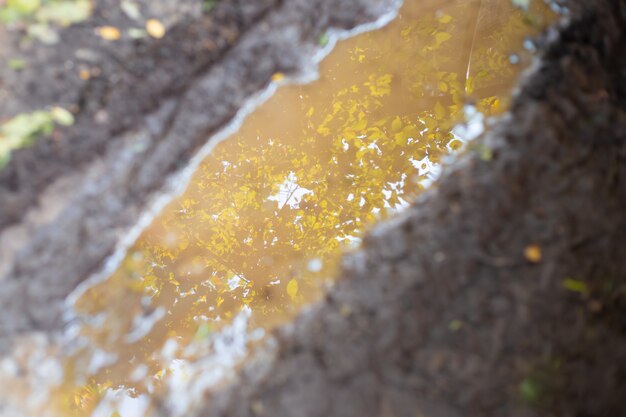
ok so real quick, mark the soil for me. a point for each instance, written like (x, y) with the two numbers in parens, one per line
(500, 292)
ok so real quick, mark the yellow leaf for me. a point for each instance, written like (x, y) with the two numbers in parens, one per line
(109, 33)
(440, 111)
(155, 28)
(533, 254)
(441, 37)
(62, 116)
(292, 288)
(396, 124)
(360, 125)
(279, 76)
(446, 18)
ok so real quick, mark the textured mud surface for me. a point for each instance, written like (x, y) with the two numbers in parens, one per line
(443, 310)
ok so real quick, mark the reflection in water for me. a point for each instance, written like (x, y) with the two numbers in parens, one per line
(260, 229)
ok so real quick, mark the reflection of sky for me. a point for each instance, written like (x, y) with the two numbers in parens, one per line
(473, 127)
(122, 402)
(290, 192)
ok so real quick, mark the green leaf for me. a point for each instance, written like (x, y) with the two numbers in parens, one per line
(529, 391)
(441, 37)
(207, 5)
(575, 285)
(64, 13)
(62, 116)
(324, 39)
(24, 6)
(17, 64)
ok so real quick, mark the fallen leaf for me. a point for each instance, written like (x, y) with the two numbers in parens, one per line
(533, 254)
(575, 285)
(109, 33)
(278, 77)
(17, 64)
(155, 28)
(24, 6)
(62, 116)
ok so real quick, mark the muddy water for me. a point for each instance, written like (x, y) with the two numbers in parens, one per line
(259, 231)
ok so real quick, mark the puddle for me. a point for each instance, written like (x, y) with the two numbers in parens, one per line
(260, 229)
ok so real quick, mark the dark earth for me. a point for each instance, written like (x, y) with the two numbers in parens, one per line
(442, 312)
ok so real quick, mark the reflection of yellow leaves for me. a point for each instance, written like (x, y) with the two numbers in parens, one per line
(396, 124)
(360, 125)
(441, 37)
(440, 111)
(445, 18)
(292, 288)
(379, 86)
(323, 130)
(173, 280)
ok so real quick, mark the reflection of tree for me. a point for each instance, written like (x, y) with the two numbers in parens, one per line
(234, 240)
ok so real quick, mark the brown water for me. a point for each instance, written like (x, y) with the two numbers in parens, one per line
(266, 217)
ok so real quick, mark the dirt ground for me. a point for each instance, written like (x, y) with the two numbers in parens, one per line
(501, 292)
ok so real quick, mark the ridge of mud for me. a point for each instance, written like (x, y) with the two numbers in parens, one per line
(440, 314)
(135, 164)
(135, 77)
